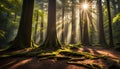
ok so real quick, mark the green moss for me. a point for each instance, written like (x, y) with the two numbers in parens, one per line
(45, 55)
(46, 58)
(70, 53)
(102, 57)
(76, 54)
(4, 56)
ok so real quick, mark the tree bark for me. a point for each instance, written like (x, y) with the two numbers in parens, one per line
(111, 43)
(85, 32)
(51, 41)
(73, 33)
(81, 27)
(42, 22)
(101, 27)
(23, 38)
(36, 27)
(63, 9)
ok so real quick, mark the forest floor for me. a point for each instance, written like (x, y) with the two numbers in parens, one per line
(111, 62)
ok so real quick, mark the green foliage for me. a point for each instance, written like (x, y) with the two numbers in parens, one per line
(116, 18)
(2, 34)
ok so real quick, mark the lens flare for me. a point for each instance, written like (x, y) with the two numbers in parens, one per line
(85, 6)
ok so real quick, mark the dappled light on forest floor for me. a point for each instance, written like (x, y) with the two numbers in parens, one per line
(82, 58)
(23, 50)
(20, 63)
(108, 53)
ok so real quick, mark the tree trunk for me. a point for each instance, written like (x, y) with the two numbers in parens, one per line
(23, 38)
(36, 27)
(51, 41)
(101, 27)
(81, 36)
(73, 33)
(63, 9)
(110, 24)
(85, 32)
(42, 21)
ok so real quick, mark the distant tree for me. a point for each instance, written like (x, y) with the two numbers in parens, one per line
(42, 22)
(85, 31)
(110, 24)
(51, 41)
(114, 3)
(102, 40)
(63, 14)
(23, 38)
(73, 31)
(118, 1)
(36, 26)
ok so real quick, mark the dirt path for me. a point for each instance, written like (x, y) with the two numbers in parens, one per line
(34, 63)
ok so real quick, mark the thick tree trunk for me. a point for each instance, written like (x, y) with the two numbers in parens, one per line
(110, 24)
(51, 41)
(23, 38)
(101, 27)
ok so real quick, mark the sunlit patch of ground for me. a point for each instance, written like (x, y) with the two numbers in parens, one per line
(23, 50)
(108, 53)
(20, 63)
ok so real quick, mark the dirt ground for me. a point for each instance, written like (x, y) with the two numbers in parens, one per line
(34, 63)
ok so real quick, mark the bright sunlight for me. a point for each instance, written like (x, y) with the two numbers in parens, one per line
(85, 6)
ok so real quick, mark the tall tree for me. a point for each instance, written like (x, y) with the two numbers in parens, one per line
(23, 38)
(42, 21)
(81, 26)
(101, 27)
(36, 26)
(85, 30)
(63, 13)
(51, 41)
(73, 32)
(110, 24)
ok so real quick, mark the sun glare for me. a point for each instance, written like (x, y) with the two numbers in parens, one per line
(85, 6)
